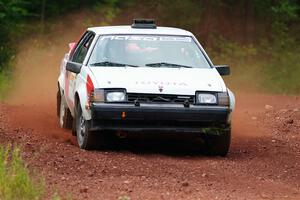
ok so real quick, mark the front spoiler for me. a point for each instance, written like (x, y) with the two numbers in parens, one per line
(157, 117)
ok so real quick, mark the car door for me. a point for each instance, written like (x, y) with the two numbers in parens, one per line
(78, 57)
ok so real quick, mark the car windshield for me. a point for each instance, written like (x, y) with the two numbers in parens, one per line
(147, 51)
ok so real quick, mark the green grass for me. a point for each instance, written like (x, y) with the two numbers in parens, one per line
(124, 198)
(15, 179)
(4, 84)
(56, 196)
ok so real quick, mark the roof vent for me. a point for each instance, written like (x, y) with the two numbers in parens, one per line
(144, 23)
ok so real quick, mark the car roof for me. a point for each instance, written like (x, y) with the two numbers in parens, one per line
(106, 30)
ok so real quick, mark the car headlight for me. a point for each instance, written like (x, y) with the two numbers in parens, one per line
(205, 98)
(221, 98)
(115, 96)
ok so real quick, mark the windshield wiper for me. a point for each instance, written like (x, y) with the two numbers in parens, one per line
(160, 64)
(112, 64)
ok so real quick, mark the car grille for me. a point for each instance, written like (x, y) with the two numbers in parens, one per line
(159, 98)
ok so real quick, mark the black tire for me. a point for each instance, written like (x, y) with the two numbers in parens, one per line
(86, 138)
(74, 128)
(64, 115)
(58, 99)
(218, 144)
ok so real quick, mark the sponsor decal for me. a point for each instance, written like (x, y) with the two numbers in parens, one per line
(147, 38)
(161, 83)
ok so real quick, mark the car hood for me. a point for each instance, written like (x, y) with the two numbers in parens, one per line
(183, 81)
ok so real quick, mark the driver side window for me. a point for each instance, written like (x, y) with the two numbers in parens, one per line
(83, 47)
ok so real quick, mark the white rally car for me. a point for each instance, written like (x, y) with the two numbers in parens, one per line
(143, 78)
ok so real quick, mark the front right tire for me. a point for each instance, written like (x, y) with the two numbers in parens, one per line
(218, 144)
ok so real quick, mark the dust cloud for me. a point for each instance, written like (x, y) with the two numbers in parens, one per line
(38, 61)
(32, 99)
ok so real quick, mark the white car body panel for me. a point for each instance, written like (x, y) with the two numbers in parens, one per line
(110, 30)
(184, 81)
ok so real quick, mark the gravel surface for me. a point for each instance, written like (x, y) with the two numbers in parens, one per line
(263, 163)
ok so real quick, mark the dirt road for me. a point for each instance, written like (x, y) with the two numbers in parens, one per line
(263, 163)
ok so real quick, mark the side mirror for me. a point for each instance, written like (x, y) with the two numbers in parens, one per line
(223, 69)
(73, 67)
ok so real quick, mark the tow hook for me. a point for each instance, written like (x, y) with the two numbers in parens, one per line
(137, 103)
(186, 103)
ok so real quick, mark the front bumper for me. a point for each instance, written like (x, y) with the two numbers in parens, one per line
(157, 117)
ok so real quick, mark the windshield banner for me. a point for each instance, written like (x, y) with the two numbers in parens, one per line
(147, 38)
